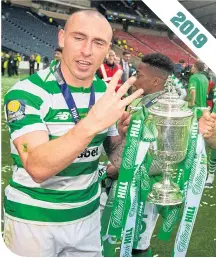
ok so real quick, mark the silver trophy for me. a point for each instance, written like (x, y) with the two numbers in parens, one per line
(171, 118)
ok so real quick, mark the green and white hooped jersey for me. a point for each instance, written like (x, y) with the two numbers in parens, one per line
(34, 104)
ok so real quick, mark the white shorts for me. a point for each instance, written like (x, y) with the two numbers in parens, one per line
(79, 239)
(103, 201)
(150, 219)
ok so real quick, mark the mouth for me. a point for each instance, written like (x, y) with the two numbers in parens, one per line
(83, 64)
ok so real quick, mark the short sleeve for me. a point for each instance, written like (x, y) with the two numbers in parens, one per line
(192, 83)
(112, 131)
(25, 109)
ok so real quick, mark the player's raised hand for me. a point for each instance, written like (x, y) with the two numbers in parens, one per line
(110, 107)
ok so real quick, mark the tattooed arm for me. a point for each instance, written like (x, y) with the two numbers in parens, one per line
(114, 146)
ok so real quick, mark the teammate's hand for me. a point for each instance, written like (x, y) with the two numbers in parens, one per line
(207, 124)
(112, 172)
(109, 108)
(123, 124)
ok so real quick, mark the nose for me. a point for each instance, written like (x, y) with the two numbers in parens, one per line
(86, 49)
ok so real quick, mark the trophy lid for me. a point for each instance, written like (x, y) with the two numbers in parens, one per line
(170, 105)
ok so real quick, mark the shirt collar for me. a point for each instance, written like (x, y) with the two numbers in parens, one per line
(150, 97)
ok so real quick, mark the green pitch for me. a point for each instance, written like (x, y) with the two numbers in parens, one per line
(203, 240)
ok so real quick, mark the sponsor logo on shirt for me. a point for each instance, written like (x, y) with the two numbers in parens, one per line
(89, 153)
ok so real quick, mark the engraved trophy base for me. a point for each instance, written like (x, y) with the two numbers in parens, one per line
(165, 194)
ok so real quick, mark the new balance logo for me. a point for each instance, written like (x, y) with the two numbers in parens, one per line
(62, 116)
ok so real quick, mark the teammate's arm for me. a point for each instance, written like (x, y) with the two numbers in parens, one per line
(192, 91)
(193, 98)
(114, 145)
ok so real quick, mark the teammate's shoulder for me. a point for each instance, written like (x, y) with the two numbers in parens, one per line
(99, 84)
(193, 77)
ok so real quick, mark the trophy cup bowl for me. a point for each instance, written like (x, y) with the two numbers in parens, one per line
(171, 118)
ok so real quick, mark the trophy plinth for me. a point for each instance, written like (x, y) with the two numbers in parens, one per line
(171, 118)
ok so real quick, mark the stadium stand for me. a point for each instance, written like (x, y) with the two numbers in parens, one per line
(133, 42)
(185, 47)
(25, 33)
(118, 7)
(163, 45)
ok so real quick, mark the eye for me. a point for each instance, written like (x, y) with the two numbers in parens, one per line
(78, 38)
(99, 43)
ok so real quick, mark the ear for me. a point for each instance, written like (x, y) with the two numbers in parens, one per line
(61, 35)
(156, 81)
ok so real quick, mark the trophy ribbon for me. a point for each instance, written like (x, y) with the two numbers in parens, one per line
(118, 237)
(193, 197)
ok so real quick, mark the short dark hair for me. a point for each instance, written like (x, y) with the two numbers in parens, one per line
(160, 61)
(58, 49)
(200, 66)
(124, 53)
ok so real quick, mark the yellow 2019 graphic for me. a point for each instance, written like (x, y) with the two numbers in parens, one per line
(187, 28)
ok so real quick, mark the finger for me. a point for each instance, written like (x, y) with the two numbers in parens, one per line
(124, 116)
(124, 88)
(213, 115)
(132, 97)
(125, 129)
(206, 129)
(206, 115)
(114, 81)
(127, 121)
(204, 122)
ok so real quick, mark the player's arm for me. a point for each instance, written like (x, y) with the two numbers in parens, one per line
(43, 159)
